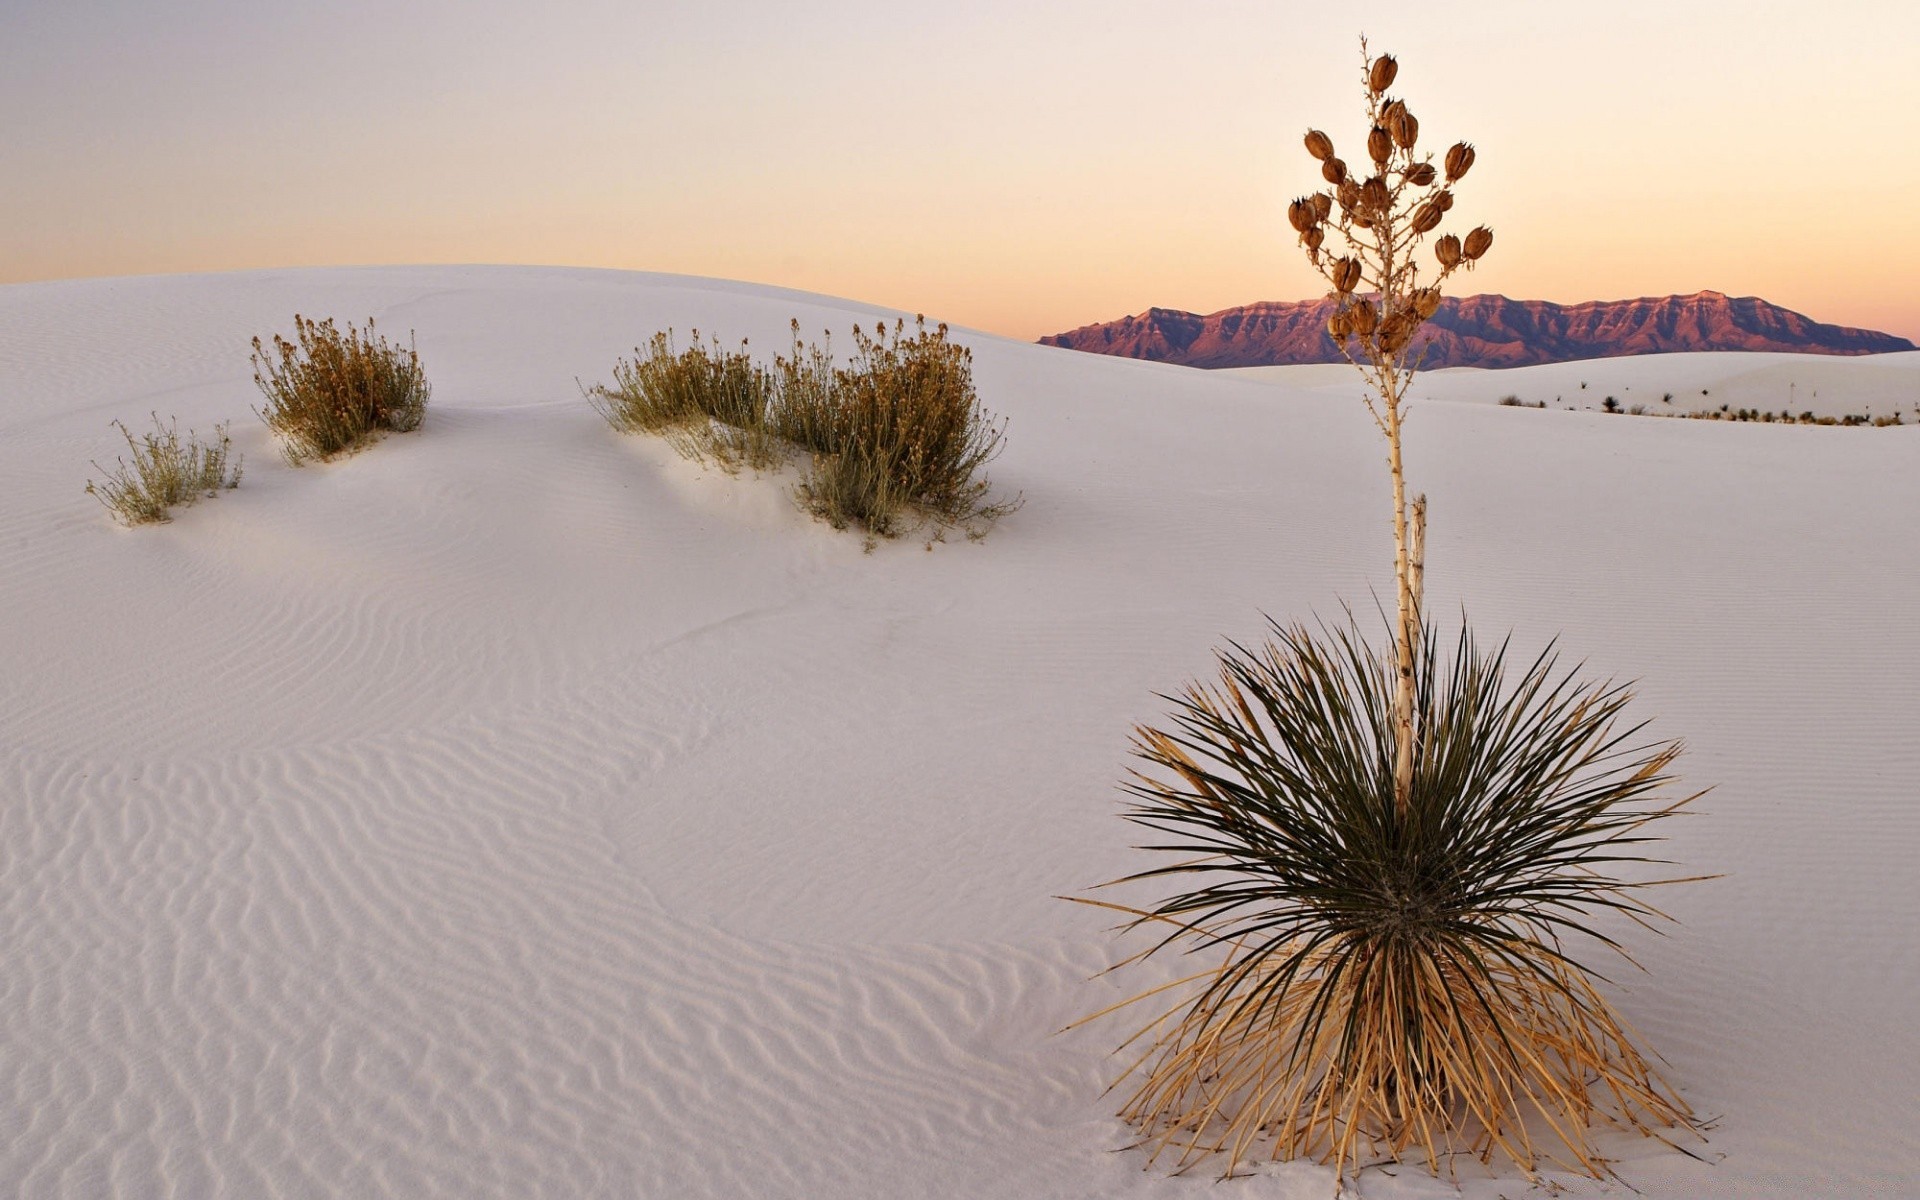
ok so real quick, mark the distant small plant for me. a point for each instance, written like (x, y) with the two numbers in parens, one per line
(1610, 404)
(165, 472)
(329, 392)
(711, 404)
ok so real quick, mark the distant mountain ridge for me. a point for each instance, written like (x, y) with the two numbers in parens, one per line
(1480, 331)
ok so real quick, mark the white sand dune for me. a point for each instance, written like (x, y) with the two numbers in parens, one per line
(515, 810)
(1876, 385)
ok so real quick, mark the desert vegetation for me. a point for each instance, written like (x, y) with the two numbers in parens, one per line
(329, 392)
(709, 402)
(162, 471)
(895, 430)
(1392, 981)
(1787, 417)
(1385, 856)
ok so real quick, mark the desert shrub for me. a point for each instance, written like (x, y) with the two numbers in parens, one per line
(899, 426)
(708, 402)
(329, 392)
(1389, 978)
(165, 471)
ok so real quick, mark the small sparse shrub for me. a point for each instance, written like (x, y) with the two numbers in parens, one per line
(330, 392)
(1637, 410)
(165, 472)
(1610, 404)
(898, 426)
(1667, 399)
(709, 403)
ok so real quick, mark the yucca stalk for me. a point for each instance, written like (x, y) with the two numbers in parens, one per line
(1380, 220)
(1380, 979)
(1386, 857)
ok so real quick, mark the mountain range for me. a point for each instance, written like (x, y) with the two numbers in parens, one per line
(1479, 331)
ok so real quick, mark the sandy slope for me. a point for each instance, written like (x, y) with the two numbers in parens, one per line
(518, 811)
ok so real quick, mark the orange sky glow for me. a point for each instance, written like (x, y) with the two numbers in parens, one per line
(1021, 168)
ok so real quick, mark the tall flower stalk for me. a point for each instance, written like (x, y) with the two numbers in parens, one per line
(1382, 863)
(1379, 221)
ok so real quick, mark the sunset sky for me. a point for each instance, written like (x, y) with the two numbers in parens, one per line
(1019, 167)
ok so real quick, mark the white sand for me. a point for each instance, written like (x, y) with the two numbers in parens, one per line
(515, 810)
(1875, 385)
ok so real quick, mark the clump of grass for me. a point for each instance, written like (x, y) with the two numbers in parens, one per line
(165, 471)
(900, 426)
(1394, 979)
(329, 392)
(711, 404)
(898, 429)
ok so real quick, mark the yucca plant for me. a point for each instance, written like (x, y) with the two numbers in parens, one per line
(329, 392)
(165, 471)
(1382, 980)
(1388, 858)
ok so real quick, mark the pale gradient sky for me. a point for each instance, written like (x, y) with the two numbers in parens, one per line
(1023, 167)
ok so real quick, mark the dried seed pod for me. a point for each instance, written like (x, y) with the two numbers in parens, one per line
(1340, 326)
(1322, 205)
(1333, 170)
(1380, 76)
(1374, 196)
(1391, 112)
(1478, 242)
(1406, 130)
(1443, 200)
(1348, 194)
(1419, 174)
(1447, 250)
(1346, 275)
(1319, 145)
(1393, 334)
(1313, 237)
(1426, 218)
(1300, 215)
(1459, 159)
(1426, 302)
(1379, 144)
(1362, 318)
